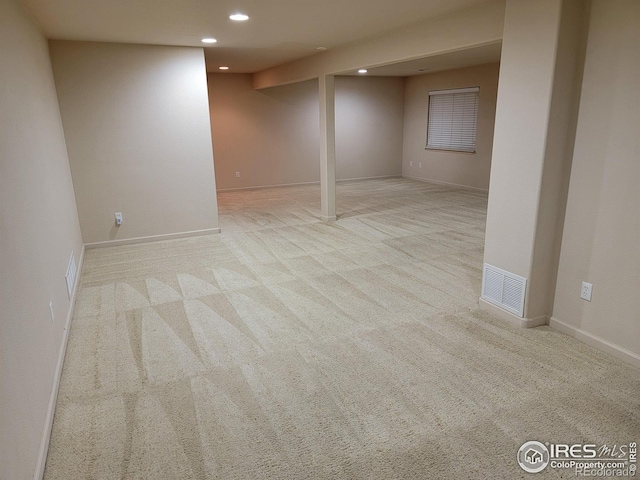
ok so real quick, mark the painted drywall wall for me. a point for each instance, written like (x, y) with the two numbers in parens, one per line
(602, 224)
(457, 168)
(563, 116)
(136, 122)
(271, 136)
(38, 231)
(369, 126)
(527, 65)
(532, 143)
(535, 124)
(458, 30)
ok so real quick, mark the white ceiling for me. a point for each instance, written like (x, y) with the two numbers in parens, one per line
(278, 31)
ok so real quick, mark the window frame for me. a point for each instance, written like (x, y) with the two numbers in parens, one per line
(449, 92)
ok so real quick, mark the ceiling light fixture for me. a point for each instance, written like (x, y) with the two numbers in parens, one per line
(322, 49)
(223, 68)
(209, 40)
(239, 17)
(362, 70)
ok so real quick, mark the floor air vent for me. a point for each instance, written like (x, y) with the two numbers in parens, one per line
(504, 289)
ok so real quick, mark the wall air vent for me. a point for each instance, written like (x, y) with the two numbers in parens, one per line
(70, 277)
(504, 289)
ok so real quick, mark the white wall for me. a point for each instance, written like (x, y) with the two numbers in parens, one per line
(522, 117)
(539, 72)
(554, 183)
(38, 231)
(471, 170)
(369, 126)
(602, 224)
(271, 136)
(136, 122)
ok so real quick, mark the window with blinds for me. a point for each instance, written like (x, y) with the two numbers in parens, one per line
(453, 117)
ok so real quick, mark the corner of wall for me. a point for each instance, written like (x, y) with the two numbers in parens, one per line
(511, 318)
(51, 408)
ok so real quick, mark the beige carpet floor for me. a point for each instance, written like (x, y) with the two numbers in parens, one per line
(288, 348)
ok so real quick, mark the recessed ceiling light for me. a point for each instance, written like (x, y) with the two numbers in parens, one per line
(223, 68)
(362, 70)
(239, 17)
(209, 40)
(322, 49)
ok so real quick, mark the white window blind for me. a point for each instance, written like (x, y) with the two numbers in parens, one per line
(453, 117)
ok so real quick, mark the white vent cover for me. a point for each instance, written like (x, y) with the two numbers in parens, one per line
(504, 289)
(70, 277)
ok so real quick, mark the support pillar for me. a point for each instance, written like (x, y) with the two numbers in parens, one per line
(327, 147)
(540, 71)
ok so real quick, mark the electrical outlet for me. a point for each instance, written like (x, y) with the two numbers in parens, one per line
(411, 164)
(237, 174)
(420, 165)
(585, 293)
(118, 218)
(53, 318)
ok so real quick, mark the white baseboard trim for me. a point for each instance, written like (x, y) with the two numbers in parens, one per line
(53, 398)
(511, 318)
(357, 179)
(256, 187)
(595, 341)
(152, 238)
(447, 184)
(537, 321)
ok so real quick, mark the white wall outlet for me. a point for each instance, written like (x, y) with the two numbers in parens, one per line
(420, 165)
(411, 164)
(585, 293)
(237, 174)
(118, 218)
(53, 317)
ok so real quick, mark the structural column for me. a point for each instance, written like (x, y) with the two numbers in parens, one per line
(327, 147)
(532, 150)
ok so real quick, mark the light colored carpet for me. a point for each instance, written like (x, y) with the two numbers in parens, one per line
(287, 348)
